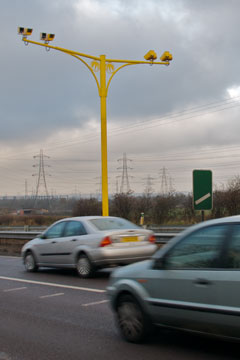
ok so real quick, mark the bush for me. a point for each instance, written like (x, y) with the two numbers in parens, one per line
(86, 207)
(122, 205)
(31, 220)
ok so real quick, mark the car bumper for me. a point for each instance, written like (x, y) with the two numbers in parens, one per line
(122, 256)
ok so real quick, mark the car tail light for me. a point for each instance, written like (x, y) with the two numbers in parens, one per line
(106, 241)
(152, 239)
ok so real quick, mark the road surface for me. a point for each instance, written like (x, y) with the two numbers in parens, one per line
(54, 315)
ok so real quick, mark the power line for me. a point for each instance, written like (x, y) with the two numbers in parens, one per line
(151, 123)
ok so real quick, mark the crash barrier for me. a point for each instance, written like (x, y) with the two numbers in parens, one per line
(11, 242)
(38, 229)
(30, 228)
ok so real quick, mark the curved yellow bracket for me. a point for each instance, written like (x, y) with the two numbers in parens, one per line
(110, 79)
(75, 54)
(89, 67)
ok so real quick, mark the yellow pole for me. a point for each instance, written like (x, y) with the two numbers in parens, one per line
(103, 103)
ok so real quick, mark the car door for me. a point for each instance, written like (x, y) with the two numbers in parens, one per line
(227, 288)
(74, 234)
(182, 290)
(48, 249)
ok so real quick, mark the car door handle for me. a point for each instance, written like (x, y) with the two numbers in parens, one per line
(74, 240)
(202, 282)
(53, 242)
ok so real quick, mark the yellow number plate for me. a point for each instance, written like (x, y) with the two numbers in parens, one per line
(130, 238)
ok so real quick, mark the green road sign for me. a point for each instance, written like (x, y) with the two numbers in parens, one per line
(202, 189)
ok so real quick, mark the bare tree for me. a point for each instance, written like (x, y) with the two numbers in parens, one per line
(122, 205)
(85, 207)
(232, 196)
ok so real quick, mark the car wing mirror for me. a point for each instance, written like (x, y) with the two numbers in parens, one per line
(159, 263)
(43, 236)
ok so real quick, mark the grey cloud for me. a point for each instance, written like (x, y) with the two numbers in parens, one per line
(42, 94)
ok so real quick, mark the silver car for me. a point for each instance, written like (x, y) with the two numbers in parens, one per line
(192, 283)
(88, 243)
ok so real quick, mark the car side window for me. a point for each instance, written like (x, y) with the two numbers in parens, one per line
(233, 253)
(55, 231)
(199, 250)
(74, 228)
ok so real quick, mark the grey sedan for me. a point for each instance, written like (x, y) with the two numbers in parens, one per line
(89, 243)
(193, 283)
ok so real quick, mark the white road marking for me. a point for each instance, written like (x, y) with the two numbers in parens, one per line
(201, 199)
(47, 296)
(53, 284)
(95, 303)
(21, 288)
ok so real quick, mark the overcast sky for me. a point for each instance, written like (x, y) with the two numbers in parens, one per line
(168, 120)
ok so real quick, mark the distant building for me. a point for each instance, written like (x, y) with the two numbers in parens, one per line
(23, 212)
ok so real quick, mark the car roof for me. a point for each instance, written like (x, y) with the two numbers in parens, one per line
(224, 220)
(88, 218)
(91, 217)
(228, 219)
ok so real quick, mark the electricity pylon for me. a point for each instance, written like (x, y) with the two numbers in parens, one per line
(166, 182)
(41, 181)
(149, 185)
(125, 185)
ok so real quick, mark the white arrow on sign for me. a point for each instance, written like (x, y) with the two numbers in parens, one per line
(201, 199)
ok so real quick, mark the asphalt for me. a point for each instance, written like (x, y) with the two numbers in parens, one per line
(54, 315)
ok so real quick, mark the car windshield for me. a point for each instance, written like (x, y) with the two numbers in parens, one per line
(113, 224)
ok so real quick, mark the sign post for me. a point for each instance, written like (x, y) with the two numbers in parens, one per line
(202, 190)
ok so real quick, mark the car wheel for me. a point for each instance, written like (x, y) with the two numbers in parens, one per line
(30, 262)
(85, 268)
(132, 322)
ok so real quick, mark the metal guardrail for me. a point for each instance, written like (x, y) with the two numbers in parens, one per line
(11, 242)
(166, 229)
(19, 235)
(161, 238)
(25, 228)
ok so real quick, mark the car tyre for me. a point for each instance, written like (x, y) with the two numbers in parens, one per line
(133, 323)
(84, 266)
(30, 262)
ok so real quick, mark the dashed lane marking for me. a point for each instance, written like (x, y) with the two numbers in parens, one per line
(15, 289)
(52, 284)
(52, 295)
(95, 303)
